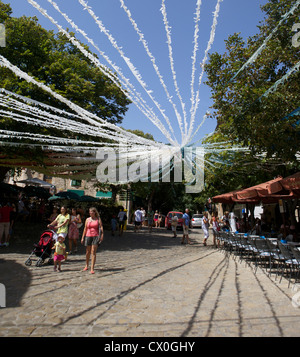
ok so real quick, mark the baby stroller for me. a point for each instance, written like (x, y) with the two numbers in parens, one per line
(43, 249)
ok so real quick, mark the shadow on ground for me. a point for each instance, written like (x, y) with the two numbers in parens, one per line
(16, 284)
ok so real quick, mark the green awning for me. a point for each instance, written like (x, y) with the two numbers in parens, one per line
(78, 192)
(101, 194)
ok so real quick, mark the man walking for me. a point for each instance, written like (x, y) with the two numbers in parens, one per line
(138, 217)
(122, 220)
(186, 224)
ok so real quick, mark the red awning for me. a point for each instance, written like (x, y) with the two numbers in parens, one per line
(226, 197)
(261, 190)
(291, 183)
(267, 192)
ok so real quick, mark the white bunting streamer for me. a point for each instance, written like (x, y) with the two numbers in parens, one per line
(152, 58)
(155, 121)
(283, 79)
(196, 47)
(130, 90)
(169, 42)
(83, 113)
(49, 120)
(67, 154)
(195, 104)
(132, 68)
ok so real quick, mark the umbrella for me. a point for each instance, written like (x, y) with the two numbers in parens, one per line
(291, 182)
(68, 195)
(36, 182)
(32, 191)
(267, 192)
(261, 190)
(226, 197)
(54, 198)
(87, 198)
(5, 187)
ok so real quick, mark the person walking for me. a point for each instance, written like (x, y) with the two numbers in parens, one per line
(232, 222)
(216, 228)
(186, 225)
(156, 215)
(143, 216)
(113, 225)
(174, 222)
(5, 211)
(61, 222)
(122, 220)
(150, 216)
(205, 227)
(138, 216)
(225, 221)
(73, 233)
(92, 236)
(53, 215)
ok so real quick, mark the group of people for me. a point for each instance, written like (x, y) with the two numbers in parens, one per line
(12, 210)
(8, 215)
(226, 222)
(119, 222)
(185, 226)
(65, 224)
(140, 217)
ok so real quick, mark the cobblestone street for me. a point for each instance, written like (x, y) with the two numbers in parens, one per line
(145, 286)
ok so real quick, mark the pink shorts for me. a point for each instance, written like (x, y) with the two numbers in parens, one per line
(59, 257)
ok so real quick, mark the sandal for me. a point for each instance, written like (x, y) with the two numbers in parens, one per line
(85, 269)
(92, 272)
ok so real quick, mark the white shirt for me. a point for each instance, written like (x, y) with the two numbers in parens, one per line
(138, 215)
(121, 215)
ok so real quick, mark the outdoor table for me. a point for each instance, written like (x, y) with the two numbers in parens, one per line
(294, 244)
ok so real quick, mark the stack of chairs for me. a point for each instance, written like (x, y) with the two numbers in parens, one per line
(262, 252)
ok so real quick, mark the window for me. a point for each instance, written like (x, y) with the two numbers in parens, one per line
(76, 183)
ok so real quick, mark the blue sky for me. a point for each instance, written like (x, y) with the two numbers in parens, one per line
(235, 16)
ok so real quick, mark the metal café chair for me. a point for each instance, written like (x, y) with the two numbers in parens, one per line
(262, 252)
(296, 261)
(275, 256)
(287, 260)
(247, 249)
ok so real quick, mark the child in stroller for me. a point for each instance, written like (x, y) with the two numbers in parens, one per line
(43, 249)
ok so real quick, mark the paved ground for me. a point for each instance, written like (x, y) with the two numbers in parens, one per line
(145, 285)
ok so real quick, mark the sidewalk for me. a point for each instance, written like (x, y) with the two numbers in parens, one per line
(145, 285)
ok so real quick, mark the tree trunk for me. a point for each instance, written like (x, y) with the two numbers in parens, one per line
(150, 199)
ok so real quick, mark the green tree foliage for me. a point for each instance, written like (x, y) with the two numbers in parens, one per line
(243, 115)
(52, 60)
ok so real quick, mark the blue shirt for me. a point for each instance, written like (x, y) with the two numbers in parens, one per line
(186, 218)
